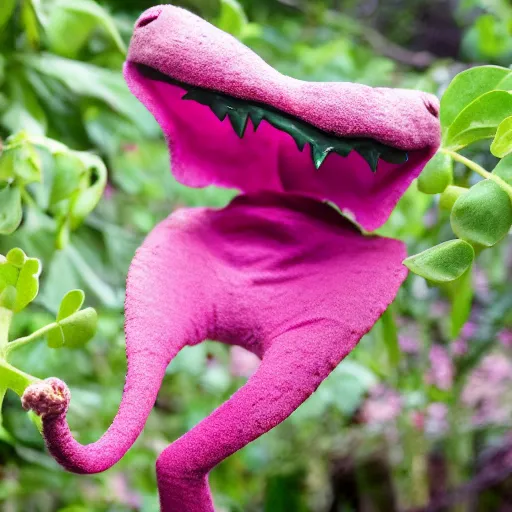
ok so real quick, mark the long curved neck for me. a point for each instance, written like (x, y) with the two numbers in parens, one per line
(143, 380)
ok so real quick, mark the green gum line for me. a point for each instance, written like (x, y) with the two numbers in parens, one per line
(321, 143)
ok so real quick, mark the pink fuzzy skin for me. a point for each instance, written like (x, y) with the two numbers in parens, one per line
(205, 151)
(277, 271)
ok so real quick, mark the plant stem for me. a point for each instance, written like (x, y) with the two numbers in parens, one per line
(5, 323)
(20, 342)
(15, 379)
(479, 170)
(390, 335)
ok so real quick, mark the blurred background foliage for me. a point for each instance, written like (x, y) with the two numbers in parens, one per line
(411, 415)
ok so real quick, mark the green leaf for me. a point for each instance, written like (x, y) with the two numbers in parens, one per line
(6, 11)
(75, 330)
(89, 81)
(27, 164)
(7, 165)
(442, 263)
(436, 175)
(30, 21)
(468, 86)
(68, 32)
(24, 111)
(11, 211)
(27, 286)
(504, 169)
(68, 170)
(91, 189)
(8, 297)
(71, 303)
(89, 13)
(16, 257)
(21, 274)
(461, 294)
(502, 144)
(483, 215)
(450, 195)
(479, 120)
(232, 17)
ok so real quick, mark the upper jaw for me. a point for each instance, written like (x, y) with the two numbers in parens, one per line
(190, 50)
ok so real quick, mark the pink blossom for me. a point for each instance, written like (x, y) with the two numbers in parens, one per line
(383, 405)
(487, 388)
(441, 370)
(408, 345)
(505, 338)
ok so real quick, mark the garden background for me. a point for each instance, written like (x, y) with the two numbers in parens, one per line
(420, 412)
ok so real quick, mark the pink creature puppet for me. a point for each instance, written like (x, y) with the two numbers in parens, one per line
(279, 271)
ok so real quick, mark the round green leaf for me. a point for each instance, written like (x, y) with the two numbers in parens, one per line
(504, 169)
(55, 337)
(468, 86)
(479, 120)
(71, 303)
(442, 263)
(79, 328)
(483, 215)
(68, 169)
(16, 257)
(502, 144)
(8, 297)
(437, 175)
(450, 195)
(27, 286)
(11, 211)
(90, 195)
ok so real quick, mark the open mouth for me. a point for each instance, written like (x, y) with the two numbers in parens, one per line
(231, 120)
(240, 112)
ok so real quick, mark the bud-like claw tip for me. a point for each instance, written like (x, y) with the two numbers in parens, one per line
(49, 397)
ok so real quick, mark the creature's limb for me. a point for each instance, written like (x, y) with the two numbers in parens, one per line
(158, 326)
(292, 369)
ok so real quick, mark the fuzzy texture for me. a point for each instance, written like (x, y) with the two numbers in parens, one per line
(206, 151)
(47, 398)
(277, 271)
(244, 275)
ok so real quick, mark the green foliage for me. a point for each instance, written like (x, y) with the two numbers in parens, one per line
(479, 120)
(437, 175)
(74, 327)
(444, 262)
(19, 276)
(502, 143)
(482, 216)
(232, 17)
(468, 86)
(504, 170)
(10, 209)
(77, 181)
(61, 87)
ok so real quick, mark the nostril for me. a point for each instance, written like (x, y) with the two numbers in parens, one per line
(432, 105)
(148, 17)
